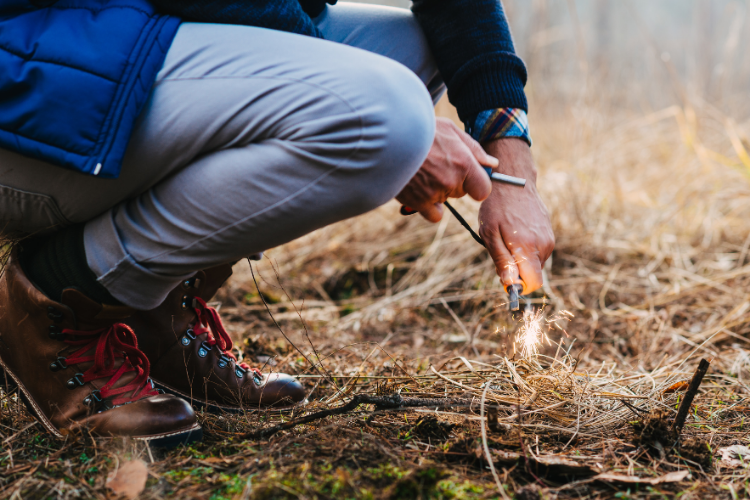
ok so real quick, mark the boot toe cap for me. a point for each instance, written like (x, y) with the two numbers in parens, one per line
(280, 388)
(146, 418)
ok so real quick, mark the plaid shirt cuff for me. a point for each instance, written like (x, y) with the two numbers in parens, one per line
(499, 123)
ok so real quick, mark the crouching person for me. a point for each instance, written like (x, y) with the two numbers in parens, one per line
(141, 155)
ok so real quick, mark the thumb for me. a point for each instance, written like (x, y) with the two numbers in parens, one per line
(479, 153)
(477, 183)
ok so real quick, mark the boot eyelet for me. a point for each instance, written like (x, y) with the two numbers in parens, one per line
(55, 333)
(257, 378)
(153, 386)
(239, 372)
(93, 399)
(189, 302)
(58, 364)
(223, 361)
(188, 337)
(203, 350)
(76, 381)
(54, 314)
(191, 283)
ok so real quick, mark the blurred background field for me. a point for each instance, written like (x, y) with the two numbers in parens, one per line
(640, 115)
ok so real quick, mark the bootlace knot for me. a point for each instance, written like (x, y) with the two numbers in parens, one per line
(209, 322)
(110, 344)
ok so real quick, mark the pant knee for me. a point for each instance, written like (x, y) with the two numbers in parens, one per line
(401, 129)
(409, 118)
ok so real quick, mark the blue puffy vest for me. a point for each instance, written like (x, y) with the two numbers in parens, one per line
(75, 74)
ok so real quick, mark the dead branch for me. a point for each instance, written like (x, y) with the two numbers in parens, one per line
(695, 383)
(391, 402)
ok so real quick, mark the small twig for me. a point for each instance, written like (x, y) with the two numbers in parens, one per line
(692, 390)
(314, 365)
(578, 419)
(299, 314)
(486, 448)
(11, 438)
(634, 409)
(457, 320)
(394, 401)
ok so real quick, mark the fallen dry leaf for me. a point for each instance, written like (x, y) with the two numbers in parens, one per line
(735, 456)
(672, 477)
(129, 479)
(564, 466)
(556, 464)
(679, 386)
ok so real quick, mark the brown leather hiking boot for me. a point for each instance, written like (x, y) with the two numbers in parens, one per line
(76, 366)
(191, 352)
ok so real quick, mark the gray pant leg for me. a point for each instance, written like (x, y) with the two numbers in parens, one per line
(36, 196)
(285, 144)
(251, 139)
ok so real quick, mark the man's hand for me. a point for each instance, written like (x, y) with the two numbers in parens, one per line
(513, 221)
(452, 169)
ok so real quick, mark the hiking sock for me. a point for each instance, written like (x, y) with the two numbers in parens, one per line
(57, 261)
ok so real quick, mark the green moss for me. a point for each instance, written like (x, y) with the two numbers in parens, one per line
(230, 487)
(385, 481)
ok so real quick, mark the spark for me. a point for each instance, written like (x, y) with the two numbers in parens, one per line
(533, 331)
(562, 316)
(531, 334)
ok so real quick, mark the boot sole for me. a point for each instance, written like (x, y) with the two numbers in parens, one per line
(217, 408)
(174, 439)
(9, 382)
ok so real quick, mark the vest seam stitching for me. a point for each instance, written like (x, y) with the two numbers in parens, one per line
(116, 108)
(55, 63)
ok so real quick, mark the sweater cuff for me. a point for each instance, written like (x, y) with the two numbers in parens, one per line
(488, 82)
(500, 123)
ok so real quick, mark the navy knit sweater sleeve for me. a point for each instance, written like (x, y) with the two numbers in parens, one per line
(282, 15)
(472, 45)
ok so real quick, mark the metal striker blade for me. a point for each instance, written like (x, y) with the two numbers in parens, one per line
(505, 179)
(514, 292)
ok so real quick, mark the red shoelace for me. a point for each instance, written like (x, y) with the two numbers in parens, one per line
(110, 344)
(210, 323)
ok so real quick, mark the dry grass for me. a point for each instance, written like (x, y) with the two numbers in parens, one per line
(652, 215)
(651, 262)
